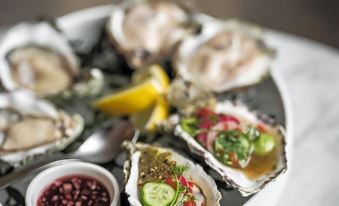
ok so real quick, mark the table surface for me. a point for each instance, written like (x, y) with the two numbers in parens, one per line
(311, 74)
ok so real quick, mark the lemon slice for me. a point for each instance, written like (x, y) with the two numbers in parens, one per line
(148, 119)
(154, 72)
(147, 86)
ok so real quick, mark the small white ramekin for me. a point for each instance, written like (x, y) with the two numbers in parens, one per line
(46, 178)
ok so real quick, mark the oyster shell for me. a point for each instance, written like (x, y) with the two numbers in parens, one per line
(146, 31)
(195, 173)
(39, 58)
(246, 179)
(187, 97)
(29, 127)
(225, 55)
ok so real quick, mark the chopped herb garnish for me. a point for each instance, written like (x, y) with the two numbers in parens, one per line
(232, 148)
(177, 172)
(179, 187)
(252, 133)
(179, 169)
(155, 166)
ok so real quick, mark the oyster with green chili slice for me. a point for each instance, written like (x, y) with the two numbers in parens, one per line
(246, 148)
(161, 177)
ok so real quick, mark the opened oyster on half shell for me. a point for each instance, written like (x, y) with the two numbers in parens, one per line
(36, 57)
(29, 127)
(146, 31)
(186, 96)
(223, 56)
(247, 149)
(160, 177)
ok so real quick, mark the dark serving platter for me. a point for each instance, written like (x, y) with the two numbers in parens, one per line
(86, 32)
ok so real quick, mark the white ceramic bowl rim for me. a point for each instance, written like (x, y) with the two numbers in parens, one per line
(46, 177)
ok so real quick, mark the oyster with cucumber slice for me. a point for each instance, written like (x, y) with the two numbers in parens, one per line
(223, 56)
(246, 148)
(161, 177)
(37, 57)
(31, 127)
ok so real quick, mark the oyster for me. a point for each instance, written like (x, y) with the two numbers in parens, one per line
(245, 148)
(29, 127)
(163, 168)
(38, 58)
(225, 55)
(186, 97)
(146, 31)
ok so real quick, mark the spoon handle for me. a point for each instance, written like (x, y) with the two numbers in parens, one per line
(34, 167)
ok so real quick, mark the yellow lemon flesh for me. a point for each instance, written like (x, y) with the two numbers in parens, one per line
(148, 119)
(148, 85)
(154, 72)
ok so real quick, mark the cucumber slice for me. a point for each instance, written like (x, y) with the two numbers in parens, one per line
(157, 194)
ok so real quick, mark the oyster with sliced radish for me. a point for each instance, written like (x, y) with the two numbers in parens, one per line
(37, 57)
(223, 56)
(30, 127)
(247, 149)
(147, 31)
(160, 177)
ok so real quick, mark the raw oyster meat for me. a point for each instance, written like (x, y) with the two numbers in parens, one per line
(146, 31)
(35, 56)
(223, 56)
(29, 127)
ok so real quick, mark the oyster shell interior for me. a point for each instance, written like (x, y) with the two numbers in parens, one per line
(137, 172)
(29, 126)
(225, 55)
(249, 173)
(187, 97)
(147, 30)
(20, 135)
(37, 57)
(40, 70)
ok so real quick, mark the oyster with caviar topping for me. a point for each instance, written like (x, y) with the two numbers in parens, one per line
(30, 127)
(160, 177)
(39, 58)
(146, 31)
(245, 148)
(224, 55)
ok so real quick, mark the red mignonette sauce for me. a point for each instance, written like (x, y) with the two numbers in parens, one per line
(75, 190)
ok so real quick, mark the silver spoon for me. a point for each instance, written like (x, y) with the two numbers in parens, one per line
(101, 147)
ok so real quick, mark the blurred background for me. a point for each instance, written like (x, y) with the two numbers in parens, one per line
(315, 19)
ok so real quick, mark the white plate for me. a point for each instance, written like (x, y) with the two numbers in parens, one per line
(86, 23)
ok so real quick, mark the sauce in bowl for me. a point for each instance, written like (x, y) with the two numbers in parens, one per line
(75, 190)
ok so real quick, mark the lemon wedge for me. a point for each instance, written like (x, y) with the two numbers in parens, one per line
(148, 119)
(153, 72)
(147, 86)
